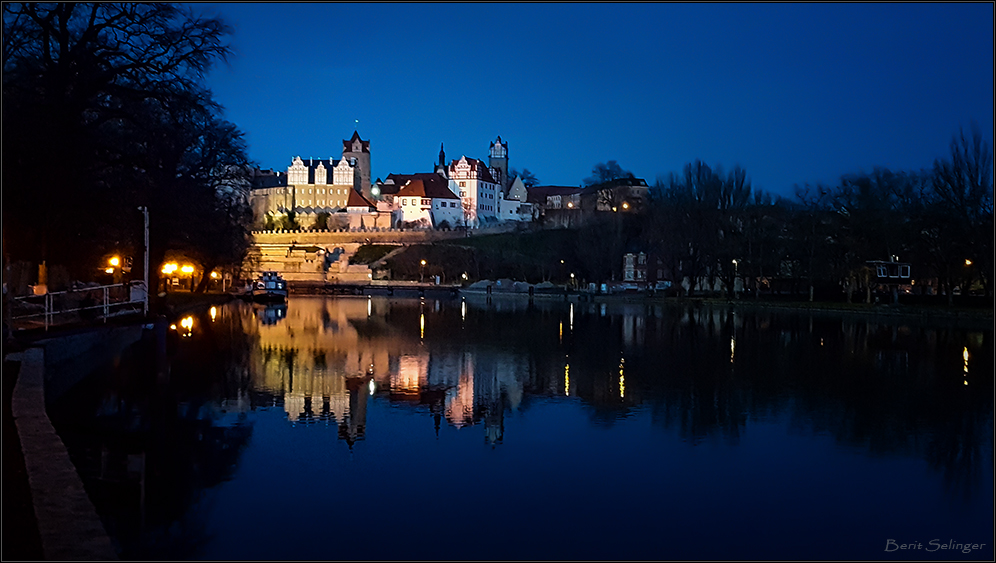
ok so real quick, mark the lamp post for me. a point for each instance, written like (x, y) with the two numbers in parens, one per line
(421, 271)
(145, 271)
(736, 274)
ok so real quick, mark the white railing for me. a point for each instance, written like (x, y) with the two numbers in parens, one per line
(80, 304)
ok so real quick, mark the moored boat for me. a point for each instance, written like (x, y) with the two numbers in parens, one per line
(269, 286)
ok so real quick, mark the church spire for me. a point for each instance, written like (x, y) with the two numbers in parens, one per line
(442, 155)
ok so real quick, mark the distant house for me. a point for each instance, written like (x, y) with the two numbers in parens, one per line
(428, 200)
(555, 197)
(624, 195)
(635, 267)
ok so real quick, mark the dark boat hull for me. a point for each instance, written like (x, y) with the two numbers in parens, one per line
(269, 297)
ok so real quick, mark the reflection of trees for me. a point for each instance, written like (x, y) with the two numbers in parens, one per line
(704, 372)
(148, 447)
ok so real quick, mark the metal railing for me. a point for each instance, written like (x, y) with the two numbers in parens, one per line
(81, 304)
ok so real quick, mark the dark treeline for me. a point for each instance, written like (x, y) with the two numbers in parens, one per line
(104, 111)
(704, 224)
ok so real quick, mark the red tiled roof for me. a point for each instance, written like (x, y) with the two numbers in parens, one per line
(430, 187)
(356, 199)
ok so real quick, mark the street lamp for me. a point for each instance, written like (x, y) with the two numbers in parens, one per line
(145, 277)
(421, 272)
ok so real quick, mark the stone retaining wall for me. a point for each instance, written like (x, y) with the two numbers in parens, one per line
(67, 521)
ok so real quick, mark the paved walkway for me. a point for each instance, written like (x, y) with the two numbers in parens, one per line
(21, 541)
(66, 521)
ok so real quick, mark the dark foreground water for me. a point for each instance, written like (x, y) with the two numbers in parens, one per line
(382, 428)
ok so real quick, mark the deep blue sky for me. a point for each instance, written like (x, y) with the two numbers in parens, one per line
(794, 93)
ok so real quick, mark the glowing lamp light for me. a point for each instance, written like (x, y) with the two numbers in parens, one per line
(625, 205)
(423, 262)
(169, 268)
(109, 270)
(968, 262)
(187, 269)
(214, 275)
(114, 261)
(214, 313)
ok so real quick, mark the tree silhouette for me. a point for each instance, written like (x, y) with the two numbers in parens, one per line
(104, 111)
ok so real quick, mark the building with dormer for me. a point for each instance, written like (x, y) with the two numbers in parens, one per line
(479, 192)
(313, 186)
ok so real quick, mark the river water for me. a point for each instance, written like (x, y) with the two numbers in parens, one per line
(391, 428)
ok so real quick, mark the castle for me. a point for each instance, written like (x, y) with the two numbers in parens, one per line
(466, 192)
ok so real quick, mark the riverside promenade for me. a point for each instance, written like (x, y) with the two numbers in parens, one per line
(47, 514)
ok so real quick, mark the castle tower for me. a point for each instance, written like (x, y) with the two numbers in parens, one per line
(441, 168)
(498, 160)
(357, 152)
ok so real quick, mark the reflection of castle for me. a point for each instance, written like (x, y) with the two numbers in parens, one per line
(327, 355)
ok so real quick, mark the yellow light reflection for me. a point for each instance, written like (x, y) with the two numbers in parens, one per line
(567, 380)
(369, 305)
(733, 348)
(964, 357)
(622, 378)
(421, 325)
(561, 335)
(187, 323)
(571, 317)
(463, 310)
(372, 387)
(214, 313)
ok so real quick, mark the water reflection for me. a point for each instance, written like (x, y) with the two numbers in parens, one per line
(328, 366)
